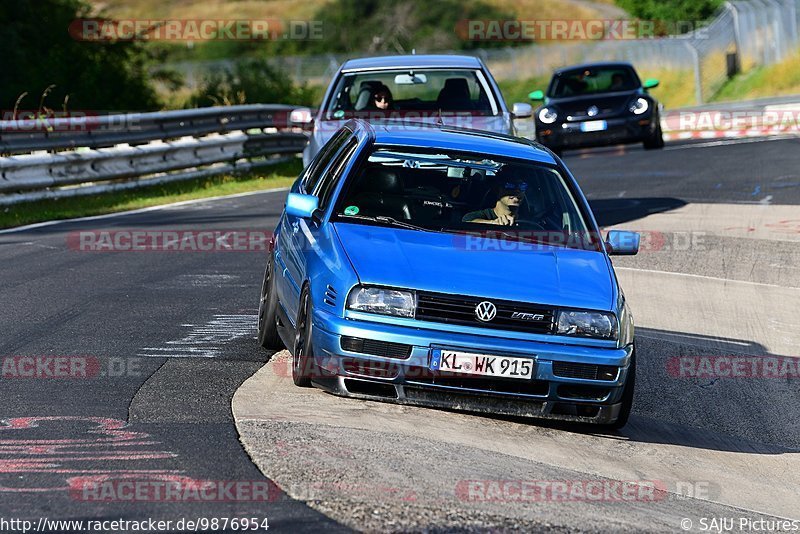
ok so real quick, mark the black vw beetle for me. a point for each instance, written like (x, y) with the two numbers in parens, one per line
(597, 104)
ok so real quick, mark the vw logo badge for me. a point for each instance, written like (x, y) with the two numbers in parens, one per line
(592, 111)
(485, 311)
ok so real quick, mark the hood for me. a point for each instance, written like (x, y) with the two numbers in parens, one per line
(444, 263)
(607, 103)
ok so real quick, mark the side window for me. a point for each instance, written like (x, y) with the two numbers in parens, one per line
(323, 158)
(331, 178)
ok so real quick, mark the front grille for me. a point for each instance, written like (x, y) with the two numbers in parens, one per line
(370, 368)
(585, 371)
(454, 309)
(374, 347)
(588, 393)
(584, 114)
(485, 384)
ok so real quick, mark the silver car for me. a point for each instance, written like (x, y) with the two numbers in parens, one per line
(451, 90)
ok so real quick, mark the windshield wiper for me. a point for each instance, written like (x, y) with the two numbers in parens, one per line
(390, 220)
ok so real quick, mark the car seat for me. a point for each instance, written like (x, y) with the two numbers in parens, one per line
(365, 90)
(454, 96)
(380, 192)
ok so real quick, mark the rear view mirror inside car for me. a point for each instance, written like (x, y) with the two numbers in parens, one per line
(410, 79)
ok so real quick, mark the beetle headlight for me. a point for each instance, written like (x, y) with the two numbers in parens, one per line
(380, 300)
(639, 106)
(587, 324)
(547, 115)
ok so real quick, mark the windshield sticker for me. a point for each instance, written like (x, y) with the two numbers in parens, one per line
(351, 210)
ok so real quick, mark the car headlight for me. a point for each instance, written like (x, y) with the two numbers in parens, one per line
(547, 115)
(381, 300)
(587, 324)
(639, 106)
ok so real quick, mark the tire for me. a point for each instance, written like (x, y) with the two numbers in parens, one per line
(627, 397)
(267, 310)
(654, 140)
(302, 355)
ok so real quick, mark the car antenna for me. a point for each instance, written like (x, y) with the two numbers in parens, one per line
(439, 120)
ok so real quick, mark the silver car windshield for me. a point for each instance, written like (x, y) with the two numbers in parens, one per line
(405, 92)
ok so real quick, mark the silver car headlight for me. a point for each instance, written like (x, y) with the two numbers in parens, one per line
(547, 115)
(639, 106)
(381, 300)
(587, 324)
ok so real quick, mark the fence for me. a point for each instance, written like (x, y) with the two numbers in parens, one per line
(755, 32)
(113, 152)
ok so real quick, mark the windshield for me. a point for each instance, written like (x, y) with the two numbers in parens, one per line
(403, 92)
(593, 80)
(442, 191)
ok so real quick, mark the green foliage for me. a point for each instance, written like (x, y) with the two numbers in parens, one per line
(38, 52)
(670, 11)
(252, 81)
(394, 26)
(517, 90)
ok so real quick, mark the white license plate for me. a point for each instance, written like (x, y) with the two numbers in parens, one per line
(481, 364)
(593, 126)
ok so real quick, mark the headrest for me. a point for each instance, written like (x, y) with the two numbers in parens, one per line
(379, 179)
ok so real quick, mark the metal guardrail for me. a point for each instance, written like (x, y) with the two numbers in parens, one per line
(111, 152)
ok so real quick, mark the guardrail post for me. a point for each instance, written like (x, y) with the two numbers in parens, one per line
(698, 79)
(737, 37)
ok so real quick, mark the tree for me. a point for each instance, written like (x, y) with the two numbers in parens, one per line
(251, 81)
(38, 52)
(671, 11)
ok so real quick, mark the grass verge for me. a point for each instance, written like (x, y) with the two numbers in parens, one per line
(280, 175)
(774, 80)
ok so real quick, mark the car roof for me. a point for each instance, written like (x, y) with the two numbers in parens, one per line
(593, 65)
(425, 135)
(409, 61)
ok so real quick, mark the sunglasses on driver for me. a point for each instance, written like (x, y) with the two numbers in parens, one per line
(511, 186)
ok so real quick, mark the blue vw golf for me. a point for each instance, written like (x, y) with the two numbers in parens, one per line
(451, 268)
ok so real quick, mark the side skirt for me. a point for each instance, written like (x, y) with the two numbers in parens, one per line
(285, 329)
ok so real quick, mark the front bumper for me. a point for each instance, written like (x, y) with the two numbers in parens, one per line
(632, 129)
(408, 380)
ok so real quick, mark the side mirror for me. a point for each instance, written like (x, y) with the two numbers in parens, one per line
(621, 243)
(521, 110)
(650, 83)
(536, 95)
(301, 205)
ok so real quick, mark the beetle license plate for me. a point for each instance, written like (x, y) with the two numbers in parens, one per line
(593, 126)
(481, 364)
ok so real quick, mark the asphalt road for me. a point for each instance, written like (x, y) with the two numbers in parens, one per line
(170, 336)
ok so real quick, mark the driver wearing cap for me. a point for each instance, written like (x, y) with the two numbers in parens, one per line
(509, 195)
